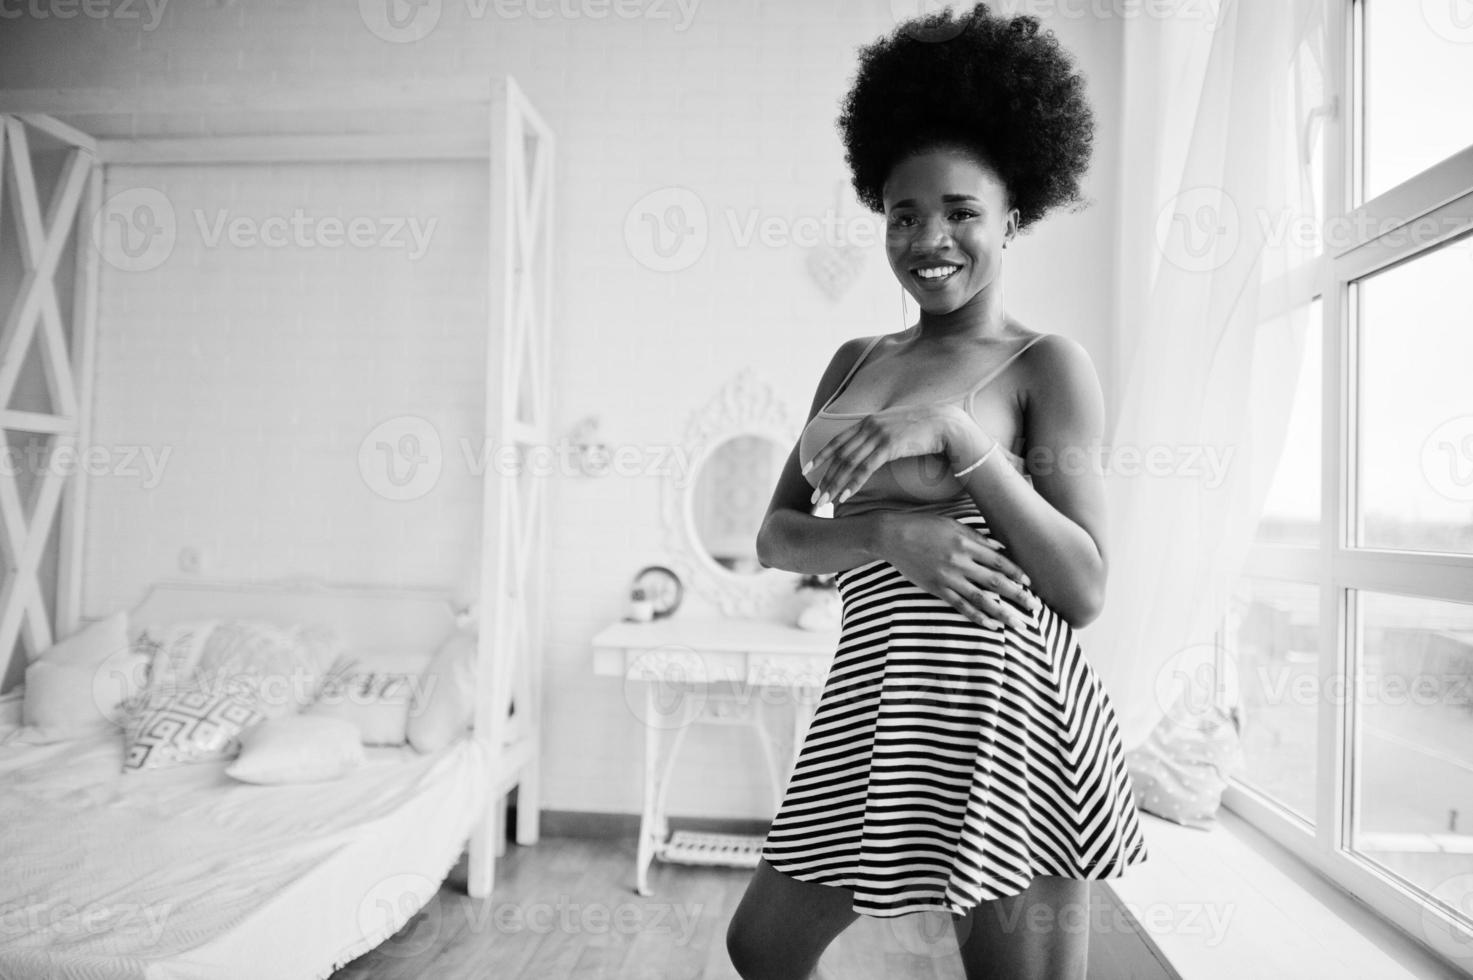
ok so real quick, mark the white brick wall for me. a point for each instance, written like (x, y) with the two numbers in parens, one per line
(261, 369)
(738, 108)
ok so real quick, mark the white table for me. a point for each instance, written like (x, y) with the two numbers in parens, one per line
(671, 668)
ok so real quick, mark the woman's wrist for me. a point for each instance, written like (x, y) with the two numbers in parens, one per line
(877, 540)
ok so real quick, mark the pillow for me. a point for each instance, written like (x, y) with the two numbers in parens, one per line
(277, 667)
(176, 727)
(79, 686)
(1181, 769)
(373, 692)
(444, 706)
(297, 749)
(173, 652)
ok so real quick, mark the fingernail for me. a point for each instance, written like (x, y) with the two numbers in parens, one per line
(814, 499)
(1026, 580)
(843, 496)
(823, 498)
(995, 624)
(807, 466)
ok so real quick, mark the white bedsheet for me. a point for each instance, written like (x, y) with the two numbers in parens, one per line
(186, 873)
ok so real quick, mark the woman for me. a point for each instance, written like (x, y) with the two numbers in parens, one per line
(963, 756)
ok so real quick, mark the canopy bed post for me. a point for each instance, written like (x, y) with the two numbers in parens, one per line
(513, 534)
(43, 231)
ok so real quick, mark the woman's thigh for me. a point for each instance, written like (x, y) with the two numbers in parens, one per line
(782, 925)
(1040, 934)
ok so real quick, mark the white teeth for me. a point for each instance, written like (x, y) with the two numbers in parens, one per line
(940, 272)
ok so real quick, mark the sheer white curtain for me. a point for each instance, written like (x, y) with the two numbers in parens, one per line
(1218, 209)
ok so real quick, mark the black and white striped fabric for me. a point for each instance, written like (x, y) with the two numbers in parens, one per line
(948, 763)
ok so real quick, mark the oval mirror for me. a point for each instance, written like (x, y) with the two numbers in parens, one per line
(729, 498)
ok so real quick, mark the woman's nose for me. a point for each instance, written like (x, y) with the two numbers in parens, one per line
(933, 233)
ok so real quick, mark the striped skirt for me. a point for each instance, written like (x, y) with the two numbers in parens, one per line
(949, 763)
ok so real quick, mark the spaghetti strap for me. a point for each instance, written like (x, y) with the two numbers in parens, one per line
(972, 395)
(852, 368)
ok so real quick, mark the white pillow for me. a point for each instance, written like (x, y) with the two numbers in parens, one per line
(297, 749)
(372, 691)
(79, 686)
(445, 704)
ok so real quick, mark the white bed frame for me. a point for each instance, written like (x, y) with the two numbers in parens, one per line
(510, 605)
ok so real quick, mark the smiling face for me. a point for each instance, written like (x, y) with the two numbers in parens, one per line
(947, 219)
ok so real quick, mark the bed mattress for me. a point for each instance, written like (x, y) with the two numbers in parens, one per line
(187, 873)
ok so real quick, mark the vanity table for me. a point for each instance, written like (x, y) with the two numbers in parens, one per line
(681, 672)
(736, 663)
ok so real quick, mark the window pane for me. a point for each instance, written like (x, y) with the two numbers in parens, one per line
(1291, 513)
(1415, 485)
(1413, 742)
(1273, 633)
(1417, 75)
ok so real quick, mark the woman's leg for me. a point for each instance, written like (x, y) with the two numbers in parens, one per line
(1039, 934)
(782, 926)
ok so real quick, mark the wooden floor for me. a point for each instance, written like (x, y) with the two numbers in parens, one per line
(566, 908)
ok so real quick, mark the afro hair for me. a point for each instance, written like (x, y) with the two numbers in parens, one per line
(998, 87)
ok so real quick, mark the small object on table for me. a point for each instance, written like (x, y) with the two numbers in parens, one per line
(820, 610)
(663, 588)
(641, 609)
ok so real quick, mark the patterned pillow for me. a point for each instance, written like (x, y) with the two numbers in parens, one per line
(173, 652)
(1183, 766)
(276, 667)
(175, 727)
(373, 692)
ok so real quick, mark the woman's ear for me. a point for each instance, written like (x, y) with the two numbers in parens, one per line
(1010, 230)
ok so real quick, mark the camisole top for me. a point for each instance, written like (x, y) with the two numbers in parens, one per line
(908, 483)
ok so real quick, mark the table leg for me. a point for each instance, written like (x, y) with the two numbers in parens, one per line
(648, 818)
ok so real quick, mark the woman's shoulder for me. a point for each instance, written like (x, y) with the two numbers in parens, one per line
(1057, 367)
(1049, 352)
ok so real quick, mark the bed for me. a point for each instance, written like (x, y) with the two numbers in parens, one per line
(185, 872)
(342, 876)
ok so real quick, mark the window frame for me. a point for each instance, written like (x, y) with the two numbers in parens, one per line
(1444, 193)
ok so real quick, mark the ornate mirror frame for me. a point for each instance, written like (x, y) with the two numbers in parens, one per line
(745, 405)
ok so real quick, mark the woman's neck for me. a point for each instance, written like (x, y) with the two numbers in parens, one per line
(981, 318)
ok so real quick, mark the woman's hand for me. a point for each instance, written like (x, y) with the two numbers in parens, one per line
(959, 564)
(853, 456)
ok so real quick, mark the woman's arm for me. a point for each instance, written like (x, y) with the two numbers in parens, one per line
(1056, 527)
(791, 538)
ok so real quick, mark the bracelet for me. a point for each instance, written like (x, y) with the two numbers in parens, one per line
(982, 459)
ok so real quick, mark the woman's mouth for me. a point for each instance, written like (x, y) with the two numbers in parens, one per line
(935, 276)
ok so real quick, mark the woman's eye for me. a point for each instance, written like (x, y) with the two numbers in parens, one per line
(962, 215)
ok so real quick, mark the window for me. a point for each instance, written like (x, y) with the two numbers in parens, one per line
(1351, 630)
